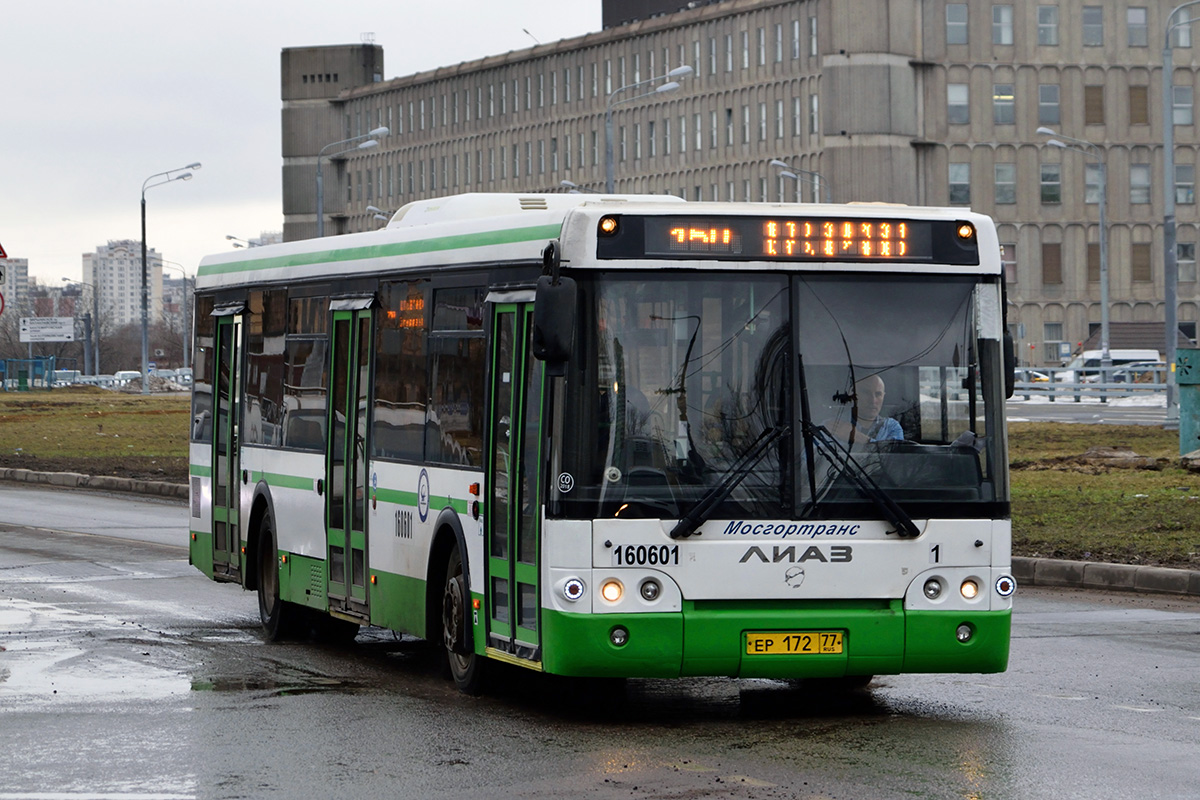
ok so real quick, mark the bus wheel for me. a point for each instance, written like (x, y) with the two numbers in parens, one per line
(280, 619)
(465, 666)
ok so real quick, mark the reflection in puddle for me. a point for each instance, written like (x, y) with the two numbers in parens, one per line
(281, 686)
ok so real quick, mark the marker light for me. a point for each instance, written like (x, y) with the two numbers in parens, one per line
(966, 231)
(650, 589)
(933, 588)
(969, 589)
(611, 590)
(573, 589)
(608, 226)
(1005, 586)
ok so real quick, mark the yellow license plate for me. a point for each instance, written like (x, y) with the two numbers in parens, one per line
(793, 643)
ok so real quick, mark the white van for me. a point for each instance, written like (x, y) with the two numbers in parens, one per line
(124, 376)
(1085, 367)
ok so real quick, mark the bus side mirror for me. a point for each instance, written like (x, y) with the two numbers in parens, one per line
(1010, 364)
(554, 322)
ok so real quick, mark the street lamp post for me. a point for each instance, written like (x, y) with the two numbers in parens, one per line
(1089, 150)
(178, 174)
(365, 141)
(94, 341)
(671, 85)
(1170, 257)
(788, 171)
(187, 327)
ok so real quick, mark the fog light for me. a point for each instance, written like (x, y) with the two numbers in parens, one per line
(611, 591)
(964, 633)
(933, 588)
(650, 589)
(1005, 585)
(969, 589)
(618, 636)
(573, 589)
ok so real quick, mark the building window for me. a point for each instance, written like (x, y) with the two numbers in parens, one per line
(1093, 105)
(956, 23)
(761, 44)
(960, 184)
(1003, 105)
(1185, 184)
(1048, 104)
(1093, 26)
(1051, 181)
(1052, 266)
(779, 124)
(1139, 106)
(1139, 262)
(812, 36)
(1047, 25)
(1182, 35)
(813, 115)
(958, 110)
(1135, 26)
(1185, 261)
(1002, 24)
(778, 47)
(1091, 183)
(1006, 184)
(1181, 105)
(745, 53)
(729, 52)
(1093, 262)
(1052, 337)
(1139, 183)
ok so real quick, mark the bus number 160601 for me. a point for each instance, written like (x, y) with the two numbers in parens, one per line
(645, 555)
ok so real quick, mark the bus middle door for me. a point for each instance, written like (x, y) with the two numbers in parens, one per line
(226, 504)
(346, 463)
(514, 474)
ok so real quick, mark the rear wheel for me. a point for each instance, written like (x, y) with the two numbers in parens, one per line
(280, 619)
(465, 666)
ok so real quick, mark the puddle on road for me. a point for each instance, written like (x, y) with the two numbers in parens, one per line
(281, 686)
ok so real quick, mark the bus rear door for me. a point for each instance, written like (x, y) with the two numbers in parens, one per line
(514, 476)
(346, 463)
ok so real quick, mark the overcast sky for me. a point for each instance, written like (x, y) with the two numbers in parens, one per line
(101, 94)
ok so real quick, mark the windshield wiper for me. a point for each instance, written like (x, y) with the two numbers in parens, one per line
(818, 437)
(700, 513)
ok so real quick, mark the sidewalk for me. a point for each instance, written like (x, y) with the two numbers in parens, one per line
(1027, 571)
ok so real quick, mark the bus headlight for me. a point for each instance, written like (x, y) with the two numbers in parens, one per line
(969, 589)
(572, 589)
(611, 590)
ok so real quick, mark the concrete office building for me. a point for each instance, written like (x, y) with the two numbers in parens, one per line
(908, 101)
(116, 269)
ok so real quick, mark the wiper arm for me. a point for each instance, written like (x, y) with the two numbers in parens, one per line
(833, 450)
(700, 513)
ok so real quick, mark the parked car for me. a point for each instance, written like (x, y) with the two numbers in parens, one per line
(124, 376)
(1026, 375)
(1141, 372)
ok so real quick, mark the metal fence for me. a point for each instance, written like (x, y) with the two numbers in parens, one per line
(1103, 384)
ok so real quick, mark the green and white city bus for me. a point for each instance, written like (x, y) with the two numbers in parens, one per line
(617, 436)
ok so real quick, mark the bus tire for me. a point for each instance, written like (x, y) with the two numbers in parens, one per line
(280, 619)
(466, 667)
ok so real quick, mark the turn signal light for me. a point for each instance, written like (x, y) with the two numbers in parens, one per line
(611, 590)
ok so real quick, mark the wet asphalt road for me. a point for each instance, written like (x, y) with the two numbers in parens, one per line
(126, 673)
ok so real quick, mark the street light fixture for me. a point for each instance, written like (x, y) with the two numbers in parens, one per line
(239, 242)
(178, 174)
(94, 334)
(575, 188)
(364, 141)
(1090, 150)
(788, 171)
(1170, 257)
(671, 85)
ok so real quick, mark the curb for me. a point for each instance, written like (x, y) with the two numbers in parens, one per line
(1027, 571)
(1112, 577)
(104, 483)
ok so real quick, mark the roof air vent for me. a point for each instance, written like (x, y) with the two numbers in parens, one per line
(533, 204)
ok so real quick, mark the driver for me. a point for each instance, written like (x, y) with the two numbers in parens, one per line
(872, 427)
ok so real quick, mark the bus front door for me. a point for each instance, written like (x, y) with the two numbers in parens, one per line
(346, 464)
(513, 517)
(227, 563)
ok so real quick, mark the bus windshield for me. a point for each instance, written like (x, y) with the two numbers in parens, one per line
(684, 380)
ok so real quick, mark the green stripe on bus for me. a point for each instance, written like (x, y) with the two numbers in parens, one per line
(457, 242)
(403, 498)
(280, 481)
(201, 471)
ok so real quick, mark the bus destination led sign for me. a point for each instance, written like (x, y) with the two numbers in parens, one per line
(787, 239)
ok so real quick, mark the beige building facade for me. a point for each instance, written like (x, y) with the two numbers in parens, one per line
(906, 101)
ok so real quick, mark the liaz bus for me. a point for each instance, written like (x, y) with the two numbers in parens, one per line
(617, 436)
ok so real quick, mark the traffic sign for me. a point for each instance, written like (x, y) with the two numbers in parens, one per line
(47, 329)
(1, 302)
(2, 253)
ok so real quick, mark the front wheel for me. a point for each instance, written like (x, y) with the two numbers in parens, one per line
(466, 667)
(280, 619)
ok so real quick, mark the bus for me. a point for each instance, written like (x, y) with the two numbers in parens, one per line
(617, 436)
